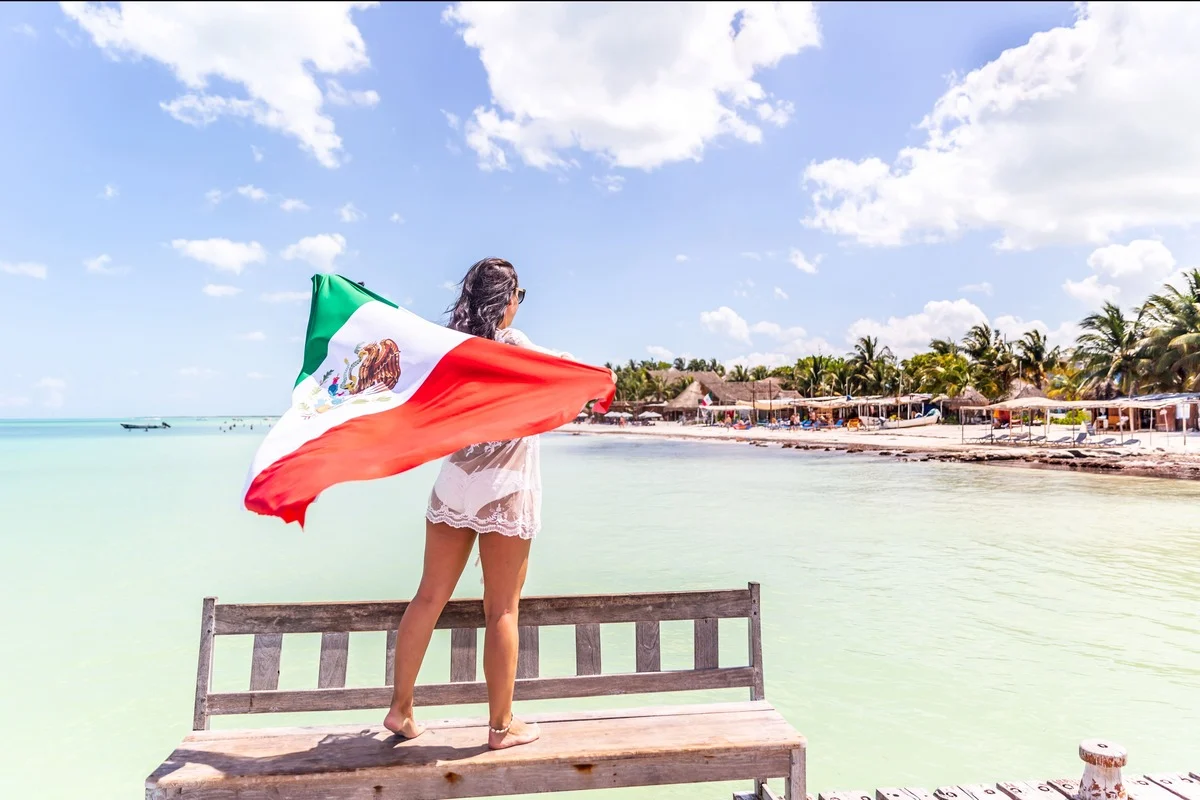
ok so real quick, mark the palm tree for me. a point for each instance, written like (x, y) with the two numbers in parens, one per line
(680, 364)
(1037, 360)
(738, 374)
(1171, 342)
(871, 363)
(760, 373)
(945, 347)
(656, 388)
(1108, 348)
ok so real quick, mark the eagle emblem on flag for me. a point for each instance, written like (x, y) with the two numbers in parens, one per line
(375, 369)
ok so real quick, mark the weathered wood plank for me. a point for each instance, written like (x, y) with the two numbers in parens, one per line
(307, 763)
(853, 794)
(535, 611)
(587, 649)
(458, 693)
(200, 712)
(264, 663)
(1068, 787)
(980, 791)
(1139, 787)
(335, 648)
(705, 645)
(463, 657)
(645, 713)
(754, 626)
(903, 793)
(796, 787)
(1028, 790)
(649, 655)
(1179, 783)
(528, 652)
(389, 659)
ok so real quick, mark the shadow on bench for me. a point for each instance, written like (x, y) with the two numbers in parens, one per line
(578, 750)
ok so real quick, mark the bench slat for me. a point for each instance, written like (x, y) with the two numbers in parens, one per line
(458, 693)
(649, 655)
(264, 664)
(334, 651)
(389, 659)
(528, 652)
(585, 754)
(535, 611)
(463, 659)
(587, 649)
(707, 652)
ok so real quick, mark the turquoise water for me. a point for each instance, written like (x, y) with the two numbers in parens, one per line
(924, 624)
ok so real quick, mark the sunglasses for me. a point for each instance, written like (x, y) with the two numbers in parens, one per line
(520, 295)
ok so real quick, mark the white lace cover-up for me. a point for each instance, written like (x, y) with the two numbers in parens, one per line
(493, 487)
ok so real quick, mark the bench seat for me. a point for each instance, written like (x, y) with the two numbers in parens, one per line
(578, 750)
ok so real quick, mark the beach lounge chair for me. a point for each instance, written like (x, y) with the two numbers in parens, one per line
(1063, 440)
(1001, 439)
(1107, 442)
(1037, 440)
(1019, 438)
(1131, 443)
(982, 439)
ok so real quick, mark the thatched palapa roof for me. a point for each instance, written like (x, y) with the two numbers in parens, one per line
(1022, 390)
(970, 397)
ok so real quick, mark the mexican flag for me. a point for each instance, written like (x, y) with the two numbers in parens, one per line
(707, 400)
(383, 390)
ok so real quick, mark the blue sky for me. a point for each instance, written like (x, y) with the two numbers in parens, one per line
(747, 184)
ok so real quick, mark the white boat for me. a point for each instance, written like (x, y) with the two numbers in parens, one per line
(930, 417)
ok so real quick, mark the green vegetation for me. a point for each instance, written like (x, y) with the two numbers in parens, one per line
(1156, 349)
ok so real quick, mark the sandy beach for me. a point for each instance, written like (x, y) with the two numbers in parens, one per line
(1157, 455)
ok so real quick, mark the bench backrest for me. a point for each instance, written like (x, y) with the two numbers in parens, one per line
(269, 623)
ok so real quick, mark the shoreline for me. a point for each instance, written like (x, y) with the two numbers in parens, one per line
(935, 445)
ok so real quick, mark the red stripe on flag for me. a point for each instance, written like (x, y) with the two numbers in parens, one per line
(480, 391)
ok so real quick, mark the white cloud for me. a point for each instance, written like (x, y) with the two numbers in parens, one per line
(452, 119)
(1080, 134)
(565, 76)
(257, 153)
(218, 290)
(52, 392)
(256, 376)
(253, 336)
(286, 297)
(28, 269)
(802, 263)
(1124, 273)
(659, 353)
(252, 192)
(977, 288)
(222, 254)
(396, 218)
(681, 258)
(25, 29)
(726, 322)
(450, 286)
(752, 255)
(780, 294)
(109, 192)
(100, 266)
(939, 319)
(348, 213)
(292, 204)
(609, 183)
(214, 196)
(340, 96)
(1014, 328)
(196, 372)
(272, 52)
(13, 401)
(321, 251)
(778, 114)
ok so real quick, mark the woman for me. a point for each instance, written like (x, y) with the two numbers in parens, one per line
(492, 491)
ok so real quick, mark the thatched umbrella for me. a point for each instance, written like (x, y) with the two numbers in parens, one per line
(1020, 389)
(968, 397)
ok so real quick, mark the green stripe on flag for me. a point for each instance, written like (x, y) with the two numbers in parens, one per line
(334, 300)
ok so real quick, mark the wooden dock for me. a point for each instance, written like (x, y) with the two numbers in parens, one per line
(1102, 780)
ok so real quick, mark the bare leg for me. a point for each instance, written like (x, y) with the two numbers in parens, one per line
(504, 560)
(446, 552)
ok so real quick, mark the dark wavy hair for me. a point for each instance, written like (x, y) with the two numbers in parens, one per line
(484, 294)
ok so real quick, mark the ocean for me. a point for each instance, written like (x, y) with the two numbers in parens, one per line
(924, 624)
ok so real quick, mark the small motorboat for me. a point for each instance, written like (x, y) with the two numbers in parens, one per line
(133, 426)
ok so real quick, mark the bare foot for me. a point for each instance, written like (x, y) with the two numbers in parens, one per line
(517, 733)
(403, 725)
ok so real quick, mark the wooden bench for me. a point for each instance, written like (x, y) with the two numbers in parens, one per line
(578, 750)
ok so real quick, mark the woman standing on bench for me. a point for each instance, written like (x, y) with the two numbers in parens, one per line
(492, 491)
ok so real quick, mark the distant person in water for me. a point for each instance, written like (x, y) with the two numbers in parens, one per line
(492, 492)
